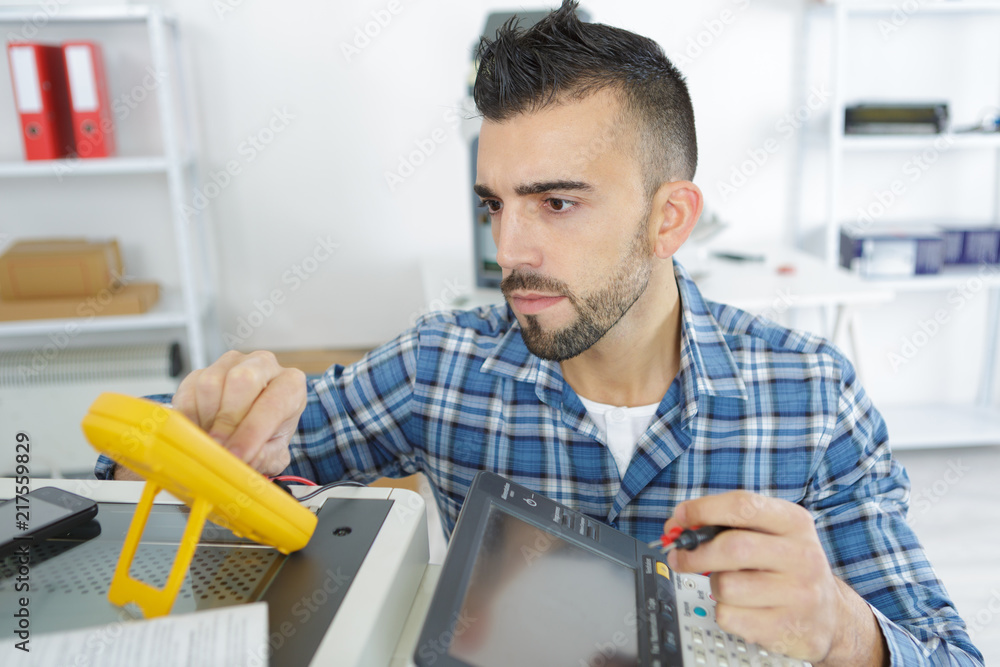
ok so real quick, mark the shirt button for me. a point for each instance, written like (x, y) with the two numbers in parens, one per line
(617, 415)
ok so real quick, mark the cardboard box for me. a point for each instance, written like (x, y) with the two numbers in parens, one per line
(58, 268)
(120, 300)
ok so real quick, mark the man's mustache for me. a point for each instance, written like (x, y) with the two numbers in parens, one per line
(533, 282)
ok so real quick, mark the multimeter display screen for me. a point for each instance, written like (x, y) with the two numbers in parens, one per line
(536, 599)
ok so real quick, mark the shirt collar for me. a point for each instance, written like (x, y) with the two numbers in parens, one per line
(512, 359)
(708, 367)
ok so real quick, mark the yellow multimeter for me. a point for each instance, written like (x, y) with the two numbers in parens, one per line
(172, 453)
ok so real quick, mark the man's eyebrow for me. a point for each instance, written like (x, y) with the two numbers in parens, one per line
(542, 187)
(537, 188)
(483, 191)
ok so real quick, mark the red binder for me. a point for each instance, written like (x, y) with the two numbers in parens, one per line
(90, 107)
(38, 73)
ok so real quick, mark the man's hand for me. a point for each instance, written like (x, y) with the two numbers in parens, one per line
(248, 404)
(772, 582)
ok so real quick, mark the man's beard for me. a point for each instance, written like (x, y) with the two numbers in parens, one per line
(597, 313)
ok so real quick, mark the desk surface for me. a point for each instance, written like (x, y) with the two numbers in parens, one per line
(751, 285)
(758, 285)
(377, 602)
(402, 656)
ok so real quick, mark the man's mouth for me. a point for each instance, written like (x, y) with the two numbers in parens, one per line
(531, 303)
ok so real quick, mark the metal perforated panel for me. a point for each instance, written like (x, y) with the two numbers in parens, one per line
(218, 576)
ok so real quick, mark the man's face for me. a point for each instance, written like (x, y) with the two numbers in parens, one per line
(570, 219)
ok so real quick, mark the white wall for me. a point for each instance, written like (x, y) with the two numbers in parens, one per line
(358, 116)
(353, 119)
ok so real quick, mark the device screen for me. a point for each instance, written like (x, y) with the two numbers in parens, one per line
(40, 514)
(536, 599)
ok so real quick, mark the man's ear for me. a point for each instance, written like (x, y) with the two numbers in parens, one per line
(676, 208)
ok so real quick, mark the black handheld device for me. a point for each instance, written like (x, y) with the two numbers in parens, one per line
(40, 514)
(530, 582)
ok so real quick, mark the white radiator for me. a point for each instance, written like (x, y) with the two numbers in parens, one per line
(48, 397)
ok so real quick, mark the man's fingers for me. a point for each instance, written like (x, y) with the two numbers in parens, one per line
(248, 403)
(274, 456)
(184, 400)
(276, 410)
(242, 384)
(210, 385)
(739, 550)
(743, 509)
(197, 397)
(777, 629)
(751, 589)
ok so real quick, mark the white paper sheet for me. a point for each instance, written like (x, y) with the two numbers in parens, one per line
(233, 636)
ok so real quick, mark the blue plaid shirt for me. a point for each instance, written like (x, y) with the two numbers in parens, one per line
(754, 406)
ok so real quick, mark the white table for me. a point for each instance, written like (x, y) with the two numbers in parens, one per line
(755, 286)
(372, 615)
(762, 287)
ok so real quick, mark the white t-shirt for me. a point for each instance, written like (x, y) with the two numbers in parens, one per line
(621, 427)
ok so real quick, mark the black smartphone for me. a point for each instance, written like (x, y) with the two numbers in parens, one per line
(43, 513)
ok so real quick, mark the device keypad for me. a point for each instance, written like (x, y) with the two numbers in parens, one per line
(720, 649)
(704, 643)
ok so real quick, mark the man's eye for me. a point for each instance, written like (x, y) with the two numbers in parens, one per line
(492, 205)
(560, 205)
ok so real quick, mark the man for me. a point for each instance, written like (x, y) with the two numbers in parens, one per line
(608, 383)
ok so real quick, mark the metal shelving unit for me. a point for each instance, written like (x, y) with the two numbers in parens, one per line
(191, 308)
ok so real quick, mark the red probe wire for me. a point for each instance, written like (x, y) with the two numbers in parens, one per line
(294, 478)
(667, 538)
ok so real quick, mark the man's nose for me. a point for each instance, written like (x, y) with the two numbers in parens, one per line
(516, 240)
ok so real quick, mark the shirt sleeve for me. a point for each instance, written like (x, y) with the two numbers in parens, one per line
(355, 424)
(358, 419)
(105, 468)
(859, 495)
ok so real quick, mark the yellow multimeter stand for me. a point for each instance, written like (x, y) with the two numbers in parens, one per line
(172, 453)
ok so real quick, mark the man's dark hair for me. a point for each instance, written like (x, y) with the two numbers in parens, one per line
(561, 57)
